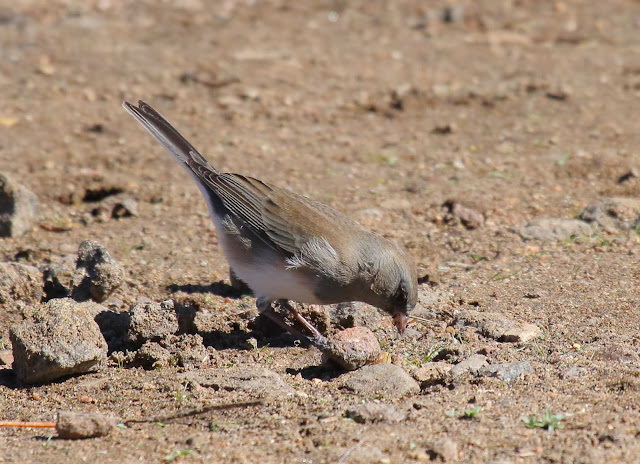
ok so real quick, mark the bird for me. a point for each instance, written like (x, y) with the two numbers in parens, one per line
(287, 247)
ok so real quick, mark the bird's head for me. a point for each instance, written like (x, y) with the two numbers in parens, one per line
(404, 299)
(395, 283)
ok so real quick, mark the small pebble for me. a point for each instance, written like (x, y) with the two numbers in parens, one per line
(74, 425)
(353, 348)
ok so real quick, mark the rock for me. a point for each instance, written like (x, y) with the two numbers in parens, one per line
(75, 425)
(111, 205)
(490, 325)
(614, 214)
(251, 344)
(151, 322)
(555, 229)
(97, 274)
(521, 333)
(634, 172)
(152, 355)
(496, 326)
(443, 129)
(185, 350)
(354, 314)
(253, 380)
(572, 372)
(472, 364)
(375, 412)
(432, 373)
(446, 449)
(353, 348)
(58, 276)
(125, 207)
(63, 339)
(18, 208)
(188, 350)
(470, 218)
(385, 379)
(19, 282)
(507, 371)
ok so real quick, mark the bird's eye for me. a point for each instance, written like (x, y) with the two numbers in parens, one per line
(401, 294)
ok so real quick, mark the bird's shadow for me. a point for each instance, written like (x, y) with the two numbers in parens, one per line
(324, 372)
(219, 288)
(237, 335)
(261, 328)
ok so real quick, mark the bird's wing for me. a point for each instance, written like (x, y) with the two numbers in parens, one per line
(293, 220)
(283, 220)
(240, 196)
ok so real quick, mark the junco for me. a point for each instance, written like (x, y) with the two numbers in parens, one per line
(285, 246)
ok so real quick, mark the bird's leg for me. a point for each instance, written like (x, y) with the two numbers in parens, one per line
(301, 319)
(264, 307)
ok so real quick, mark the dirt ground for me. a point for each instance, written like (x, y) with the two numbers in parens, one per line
(517, 110)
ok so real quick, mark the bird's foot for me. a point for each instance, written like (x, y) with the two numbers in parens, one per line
(317, 339)
(300, 318)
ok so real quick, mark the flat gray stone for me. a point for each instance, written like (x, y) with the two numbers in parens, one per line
(507, 371)
(555, 229)
(614, 214)
(19, 282)
(521, 333)
(253, 380)
(61, 340)
(19, 208)
(472, 364)
(125, 207)
(97, 274)
(77, 425)
(496, 326)
(375, 412)
(385, 379)
(432, 373)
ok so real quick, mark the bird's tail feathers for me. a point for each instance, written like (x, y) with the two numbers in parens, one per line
(167, 135)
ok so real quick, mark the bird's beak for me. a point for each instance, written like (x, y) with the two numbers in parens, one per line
(400, 321)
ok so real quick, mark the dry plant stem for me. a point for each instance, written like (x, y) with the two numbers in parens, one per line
(42, 425)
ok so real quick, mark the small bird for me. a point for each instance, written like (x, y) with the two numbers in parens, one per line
(287, 247)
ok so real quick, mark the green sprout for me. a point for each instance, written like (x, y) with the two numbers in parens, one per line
(548, 421)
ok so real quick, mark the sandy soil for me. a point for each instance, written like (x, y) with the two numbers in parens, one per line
(518, 110)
